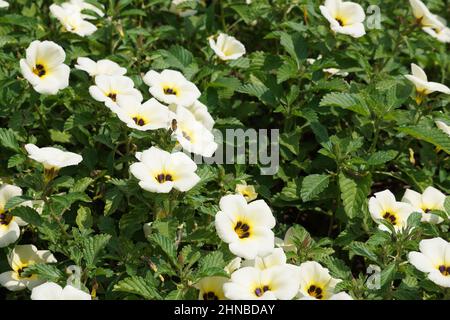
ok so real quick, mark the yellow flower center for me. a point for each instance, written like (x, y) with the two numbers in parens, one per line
(39, 70)
(242, 229)
(340, 20)
(140, 121)
(315, 291)
(170, 90)
(391, 217)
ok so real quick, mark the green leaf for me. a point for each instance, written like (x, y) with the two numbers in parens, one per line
(295, 45)
(44, 271)
(27, 214)
(387, 274)
(166, 245)
(414, 219)
(138, 286)
(84, 218)
(354, 191)
(15, 201)
(313, 185)
(345, 101)
(429, 134)
(447, 205)
(92, 247)
(381, 157)
(361, 249)
(8, 139)
(82, 184)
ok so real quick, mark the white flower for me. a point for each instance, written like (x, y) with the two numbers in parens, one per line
(434, 259)
(227, 47)
(150, 115)
(287, 244)
(174, 8)
(201, 114)
(422, 14)
(103, 67)
(384, 206)
(160, 171)
(250, 283)
(21, 257)
(420, 80)
(211, 288)
(192, 135)
(110, 88)
(4, 4)
(72, 19)
(430, 199)
(44, 67)
(316, 283)
(443, 126)
(439, 32)
(233, 265)
(276, 258)
(432, 24)
(171, 86)
(53, 291)
(248, 191)
(83, 5)
(336, 72)
(9, 225)
(52, 158)
(246, 227)
(344, 17)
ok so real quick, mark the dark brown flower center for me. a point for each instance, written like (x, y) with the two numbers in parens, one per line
(161, 178)
(139, 121)
(39, 70)
(5, 218)
(169, 90)
(390, 217)
(242, 229)
(260, 291)
(339, 20)
(444, 270)
(210, 296)
(315, 291)
(112, 96)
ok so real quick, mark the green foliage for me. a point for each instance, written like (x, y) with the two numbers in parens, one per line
(342, 138)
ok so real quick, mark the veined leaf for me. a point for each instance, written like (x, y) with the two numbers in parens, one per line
(430, 135)
(354, 191)
(313, 185)
(138, 286)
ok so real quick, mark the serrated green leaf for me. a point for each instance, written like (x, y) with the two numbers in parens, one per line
(345, 101)
(354, 191)
(92, 247)
(313, 185)
(138, 286)
(429, 134)
(27, 214)
(166, 245)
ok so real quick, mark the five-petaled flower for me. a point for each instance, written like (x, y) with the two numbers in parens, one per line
(317, 284)
(344, 17)
(44, 67)
(433, 259)
(161, 171)
(226, 47)
(383, 206)
(72, 20)
(103, 67)
(171, 86)
(110, 88)
(23, 256)
(431, 199)
(423, 86)
(150, 115)
(246, 227)
(249, 283)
